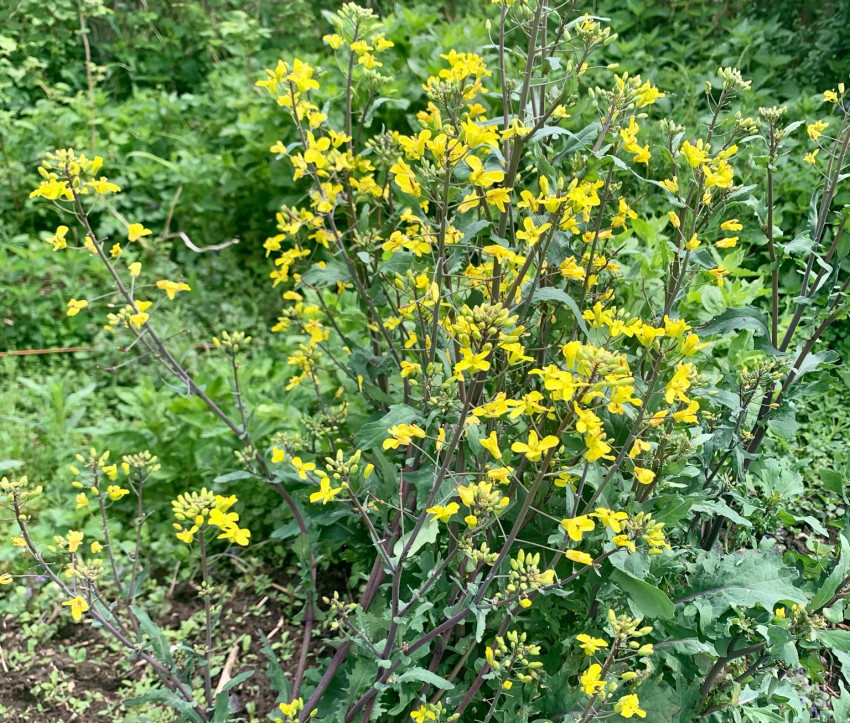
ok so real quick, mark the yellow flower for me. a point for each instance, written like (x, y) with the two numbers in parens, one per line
(58, 239)
(82, 500)
(532, 233)
(172, 287)
(278, 456)
(5, 579)
(639, 446)
(590, 682)
(590, 644)
(115, 492)
(78, 606)
(408, 368)
(696, 154)
(731, 225)
(577, 526)
(609, 518)
(644, 476)
(727, 243)
(581, 558)
(326, 493)
(479, 177)
(688, 414)
(815, 130)
(302, 467)
(628, 706)
(473, 362)
(624, 541)
(135, 268)
(830, 96)
(491, 444)
(534, 449)
(95, 547)
(402, 435)
(810, 157)
(19, 542)
(443, 513)
(74, 306)
(135, 231)
(719, 273)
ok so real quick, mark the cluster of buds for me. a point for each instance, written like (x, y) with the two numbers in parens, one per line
(733, 81)
(627, 629)
(143, 463)
(643, 527)
(339, 609)
(433, 712)
(480, 323)
(205, 507)
(483, 502)
(338, 468)
(629, 93)
(477, 555)
(65, 173)
(82, 569)
(511, 654)
(232, 342)
(592, 35)
(18, 491)
(129, 317)
(526, 576)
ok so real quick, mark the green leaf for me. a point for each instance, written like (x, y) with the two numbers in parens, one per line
(744, 579)
(652, 601)
(372, 434)
(187, 710)
(422, 675)
(833, 580)
(559, 296)
(161, 647)
(743, 318)
(427, 535)
(275, 673)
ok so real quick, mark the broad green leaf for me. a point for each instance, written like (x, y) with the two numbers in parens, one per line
(373, 434)
(652, 601)
(833, 580)
(422, 675)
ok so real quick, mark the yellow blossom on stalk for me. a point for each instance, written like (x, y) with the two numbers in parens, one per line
(810, 157)
(582, 558)
(498, 197)
(610, 518)
(78, 606)
(688, 414)
(727, 243)
(95, 547)
(491, 444)
(695, 154)
(18, 542)
(638, 446)
(135, 231)
(408, 368)
(5, 579)
(404, 178)
(719, 273)
(591, 683)
(731, 225)
(577, 526)
(624, 541)
(479, 177)
(75, 306)
(82, 500)
(628, 706)
(644, 476)
(830, 96)
(674, 219)
(402, 435)
(534, 448)
(590, 644)
(116, 492)
(278, 455)
(302, 467)
(472, 362)
(500, 474)
(135, 268)
(58, 239)
(139, 318)
(75, 537)
(815, 130)
(679, 383)
(531, 233)
(571, 270)
(691, 345)
(172, 287)
(291, 710)
(443, 513)
(721, 176)
(670, 184)
(326, 493)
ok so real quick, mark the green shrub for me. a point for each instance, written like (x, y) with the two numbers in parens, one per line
(535, 357)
